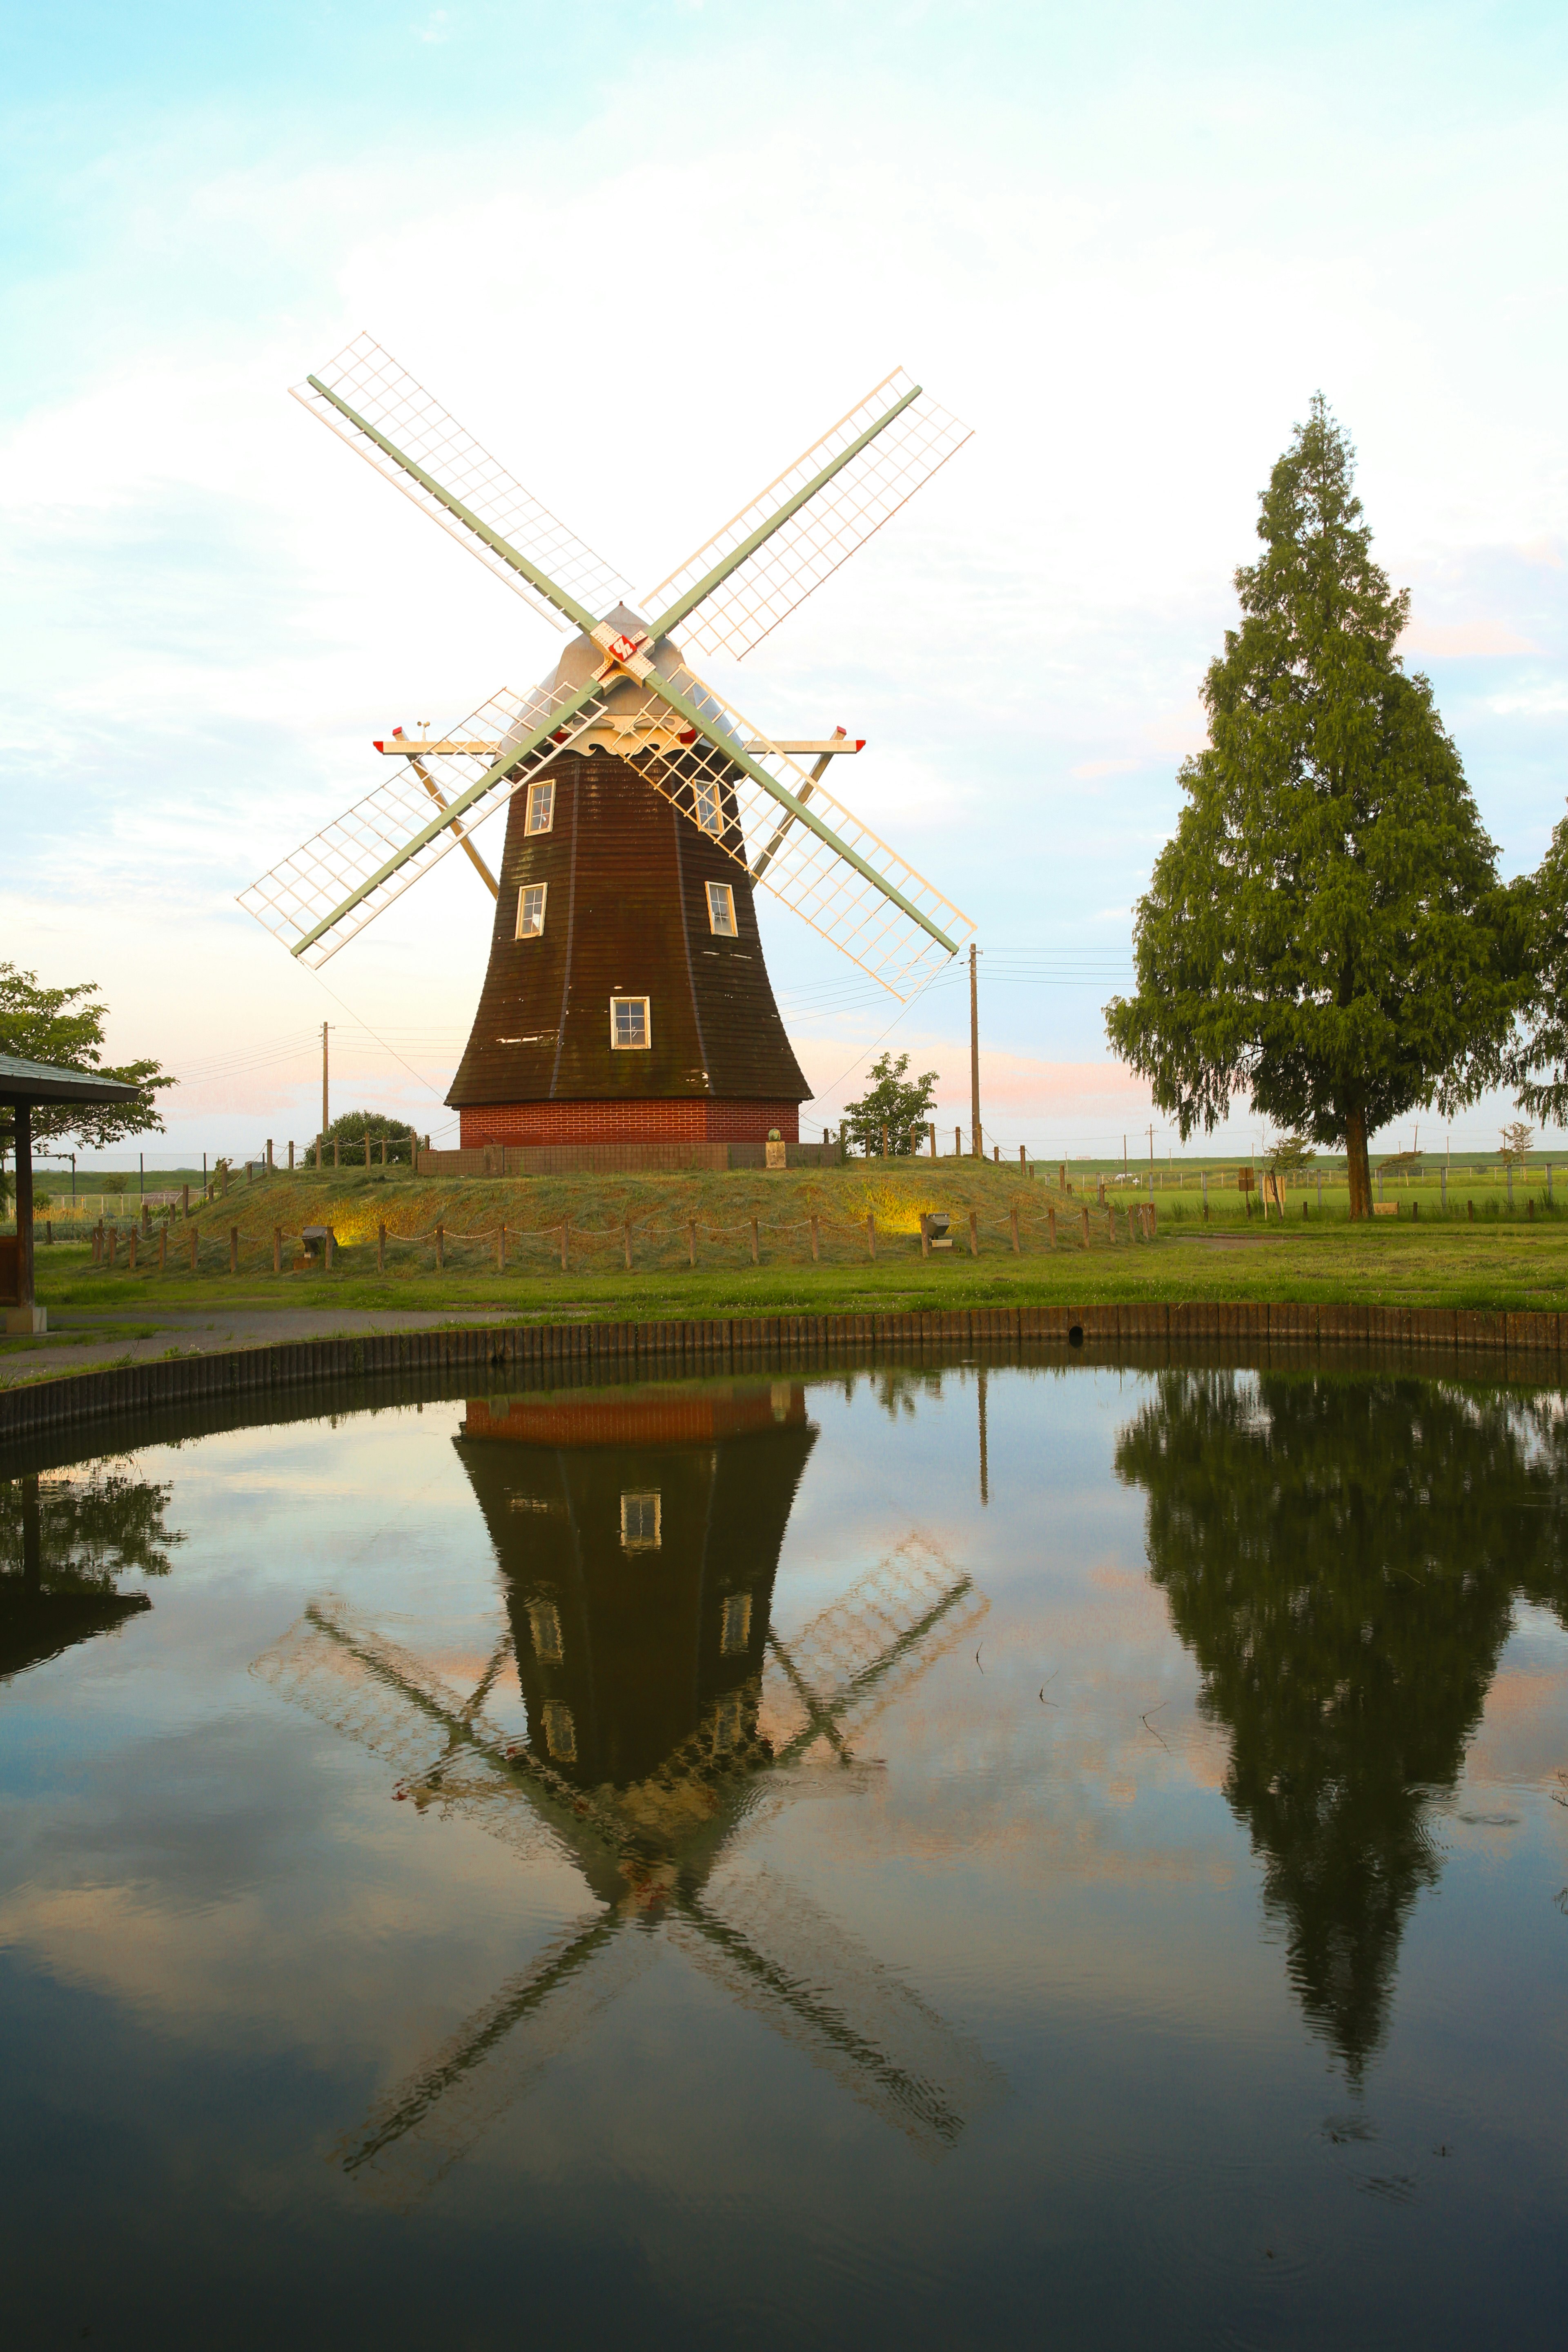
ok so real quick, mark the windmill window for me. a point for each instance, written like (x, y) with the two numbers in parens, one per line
(560, 1732)
(628, 1022)
(531, 910)
(640, 1522)
(710, 816)
(727, 1723)
(544, 1623)
(541, 814)
(735, 1627)
(722, 909)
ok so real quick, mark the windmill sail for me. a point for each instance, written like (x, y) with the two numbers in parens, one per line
(780, 1956)
(803, 525)
(325, 892)
(366, 386)
(797, 839)
(428, 2122)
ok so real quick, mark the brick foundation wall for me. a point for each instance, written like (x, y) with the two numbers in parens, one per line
(677, 1119)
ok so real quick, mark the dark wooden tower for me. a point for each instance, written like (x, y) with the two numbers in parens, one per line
(639, 1537)
(626, 999)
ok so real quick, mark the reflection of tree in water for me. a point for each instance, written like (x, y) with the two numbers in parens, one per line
(1343, 1558)
(93, 1526)
(64, 1540)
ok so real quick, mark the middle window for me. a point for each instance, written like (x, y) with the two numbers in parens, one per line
(629, 1022)
(531, 910)
(722, 909)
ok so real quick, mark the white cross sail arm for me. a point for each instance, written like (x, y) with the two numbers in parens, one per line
(741, 583)
(371, 401)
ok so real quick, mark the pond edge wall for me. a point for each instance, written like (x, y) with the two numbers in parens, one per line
(731, 1344)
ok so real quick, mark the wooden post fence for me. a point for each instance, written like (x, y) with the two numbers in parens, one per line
(1051, 1225)
(1086, 1225)
(501, 1250)
(691, 1241)
(163, 1247)
(381, 1249)
(1014, 1219)
(234, 1249)
(195, 1239)
(131, 1250)
(872, 1237)
(277, 1249)
(440, 1249)
(566, 1241)
(755, 1260)
(816, 1250)
(974, 1234)
(628, 1242)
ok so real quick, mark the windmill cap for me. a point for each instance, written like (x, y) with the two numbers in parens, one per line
(583, 657)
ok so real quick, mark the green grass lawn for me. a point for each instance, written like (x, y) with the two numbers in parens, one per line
(1500, 1259)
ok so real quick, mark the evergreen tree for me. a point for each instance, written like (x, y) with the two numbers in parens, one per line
(1342, 1556)
(1538, 1065)
(1325, 933)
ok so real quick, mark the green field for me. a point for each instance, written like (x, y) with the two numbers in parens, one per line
(1502, 1256)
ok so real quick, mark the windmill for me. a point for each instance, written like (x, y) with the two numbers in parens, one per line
(766, 1722)
(626, 999)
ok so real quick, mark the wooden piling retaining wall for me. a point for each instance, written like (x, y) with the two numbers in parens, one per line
(539, 1352)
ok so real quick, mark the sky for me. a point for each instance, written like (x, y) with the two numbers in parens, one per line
(648, 255)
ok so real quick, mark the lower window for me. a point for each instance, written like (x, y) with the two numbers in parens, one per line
(531, 910)
(628, 1022)
(722, 909)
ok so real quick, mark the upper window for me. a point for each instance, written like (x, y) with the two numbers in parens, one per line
(722, 909)
(710, 816)
(541, 807)
(640, 1522)
(629, 1022)
(531, 910)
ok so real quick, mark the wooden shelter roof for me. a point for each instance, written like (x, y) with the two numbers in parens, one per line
(36, 1082)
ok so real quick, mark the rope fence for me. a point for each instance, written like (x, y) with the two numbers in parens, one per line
(567, 1247)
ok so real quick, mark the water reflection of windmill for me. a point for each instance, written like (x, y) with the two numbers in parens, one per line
(639, 1537)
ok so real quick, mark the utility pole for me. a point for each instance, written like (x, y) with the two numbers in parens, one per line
(1124, 1155)
(975, 1144)
(324, 1120)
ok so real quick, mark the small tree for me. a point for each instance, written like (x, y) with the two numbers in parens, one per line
(65, 1026)
(1516, 1141)
(893, 1101)
(1287, 1154)
(350, 1131)
(1325, 931)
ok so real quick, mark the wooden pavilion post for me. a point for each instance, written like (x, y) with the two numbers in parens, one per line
(24, 1147)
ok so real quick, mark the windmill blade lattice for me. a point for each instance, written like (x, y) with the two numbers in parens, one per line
(356, 867)
(377, 388)
(787, 1961)
(866, 1648)
(807, 548)
(840, 884)
(420, 2128)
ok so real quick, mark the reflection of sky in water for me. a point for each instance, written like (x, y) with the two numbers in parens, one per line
(226, 1949)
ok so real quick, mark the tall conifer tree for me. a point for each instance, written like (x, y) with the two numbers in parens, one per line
(1325, 933)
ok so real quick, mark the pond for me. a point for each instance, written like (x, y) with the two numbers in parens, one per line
(953, 1856)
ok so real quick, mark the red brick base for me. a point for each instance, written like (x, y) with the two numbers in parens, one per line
(681, 1120)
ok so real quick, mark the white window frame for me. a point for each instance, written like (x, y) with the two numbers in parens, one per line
(735, 1624)
(544, 1622)
(708, 808)
(721, 897)
(642, 1495)
(630, 1045)
(560, 1731)
(537, 932)
(540, 796)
